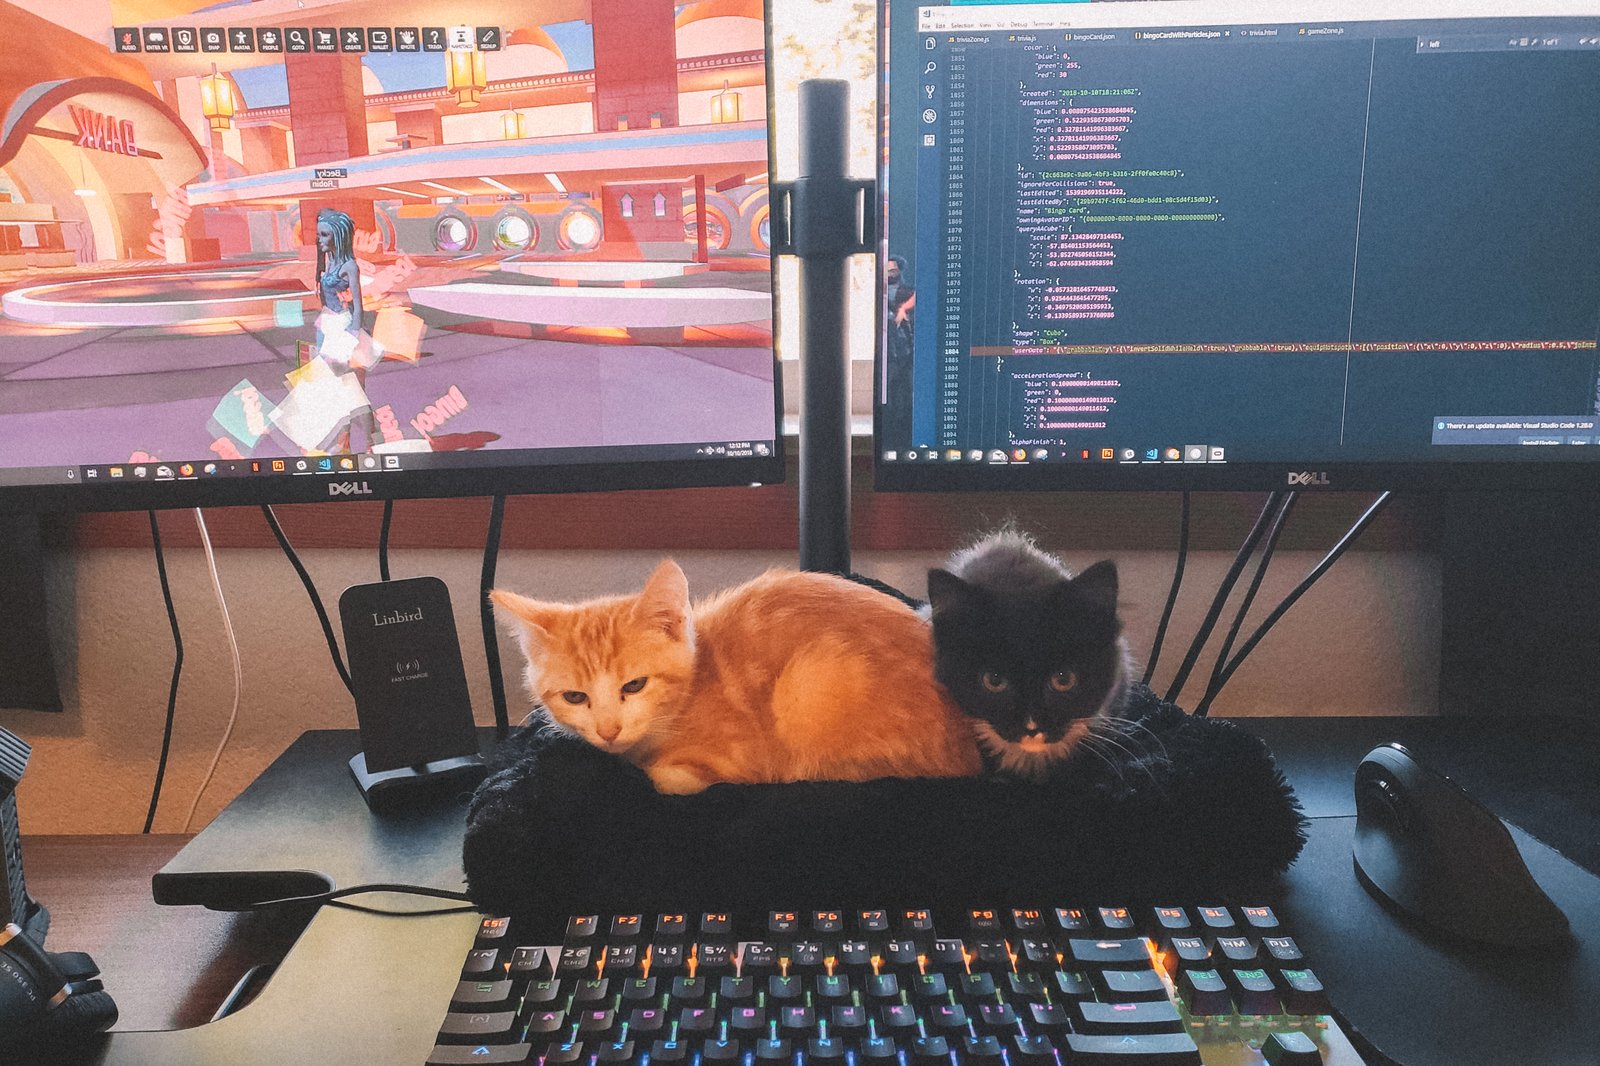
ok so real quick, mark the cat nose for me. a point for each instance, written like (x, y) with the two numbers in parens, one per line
(608, 733)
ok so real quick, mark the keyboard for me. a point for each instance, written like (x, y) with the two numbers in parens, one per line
(1192, 985)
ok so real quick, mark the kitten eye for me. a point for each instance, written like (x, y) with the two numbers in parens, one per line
(995, 682)
(635, 685)
(1063, 680)
(575, 697)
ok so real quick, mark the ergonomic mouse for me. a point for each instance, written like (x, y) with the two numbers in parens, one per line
(1430, 849)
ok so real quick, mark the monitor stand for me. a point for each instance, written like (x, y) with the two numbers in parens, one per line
(386, 790)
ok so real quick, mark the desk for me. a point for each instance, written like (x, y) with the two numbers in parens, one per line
(359, 988)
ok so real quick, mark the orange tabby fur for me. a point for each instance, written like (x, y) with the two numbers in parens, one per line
(792, 676)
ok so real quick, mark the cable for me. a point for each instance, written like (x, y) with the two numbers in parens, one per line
(233, 651)
(1172, 593)
(334, 895)
(1221, 598)
(491, 643)
(177, 671)
(383, 540)
(1249, 597)
(311, 590)
(1310, 579)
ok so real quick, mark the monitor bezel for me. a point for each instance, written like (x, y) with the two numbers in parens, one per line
(509, 479)
(1098, 475)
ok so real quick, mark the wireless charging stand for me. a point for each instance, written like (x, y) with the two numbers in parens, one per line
(418, 738)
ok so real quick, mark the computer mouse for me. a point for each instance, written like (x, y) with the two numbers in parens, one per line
(1431, 850)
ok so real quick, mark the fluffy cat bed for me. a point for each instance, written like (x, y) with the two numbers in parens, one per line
(1194, 809)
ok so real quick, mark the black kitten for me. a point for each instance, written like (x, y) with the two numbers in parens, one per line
(1033, 654)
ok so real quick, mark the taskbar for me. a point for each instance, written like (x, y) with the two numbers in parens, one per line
(377, 462)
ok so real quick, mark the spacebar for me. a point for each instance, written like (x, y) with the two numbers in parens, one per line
(1154, 1049)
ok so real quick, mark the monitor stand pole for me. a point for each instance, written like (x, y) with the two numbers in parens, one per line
(829, 218)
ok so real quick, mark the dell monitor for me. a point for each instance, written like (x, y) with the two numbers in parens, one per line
(1214, 245)
(258, 253)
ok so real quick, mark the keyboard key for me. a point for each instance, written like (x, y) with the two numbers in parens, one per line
(626, 926)
(531, 963)
(666, 958)
(477, 1028)
(481, 995)
(1205, 992)
(798, 1020)
(669, 1051)
(785, 988)
(1072, 985)
(827, 923)
(1071, 920)
(948, 955)
(1259, 917)
(848, 1020)
(737, 989)
(975, 986)
(1282, 950)
(880, 1049)
(1303, 993)
(696, 1020)
(1024, 986)
(825, 1050)
(574, 960)
(646, 1021)
(565, 1055)
(1175, 919)
(671, 924)
(1037, 955)
(1122, 1018)
(639, 989)
(1050, 1018)
(773, 1051)
(783, 923)
(991, 956)
(541, 992)
(932, 1051)
(982, 1051)
(1115, 919)
(456, 1054)
(1027, 919)
(1240, 950)
(1032, 1051)
(1108, 952)
(948, 1017)
(745, 1020)
(621, 959)
(899, 1019)
(1253, 991)
(872, 923)
(481, 962)
(596, 1022)
(582, 927)
(715, 924)
(616, 1053)
(594, 990)
(901, 955)
(1291, 1048)
(759, 959)
(1165, 1049)
(929, 986)
(689, 989)
(805, 958)
(714, 957)
(1217, 918)
(1187, 953)
(981, 920)
(721, 1051)
(833, 987)
(1125, 986)
(883, 986)
(855, 953)
(916, 924)
(545, 1022)
(999, 1019)
(492, 931)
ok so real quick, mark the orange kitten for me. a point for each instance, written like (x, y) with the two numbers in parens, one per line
(792, 676)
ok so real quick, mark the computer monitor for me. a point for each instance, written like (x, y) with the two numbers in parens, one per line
(1213, 245)
(552, 216)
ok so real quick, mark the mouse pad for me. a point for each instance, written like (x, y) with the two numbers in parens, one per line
(1424, 1000)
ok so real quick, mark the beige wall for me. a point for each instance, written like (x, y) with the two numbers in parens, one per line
(1364, 641)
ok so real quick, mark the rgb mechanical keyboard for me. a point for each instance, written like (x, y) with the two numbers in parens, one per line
(1207, 985)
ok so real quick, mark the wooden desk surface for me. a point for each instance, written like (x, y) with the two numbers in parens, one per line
(166, 967)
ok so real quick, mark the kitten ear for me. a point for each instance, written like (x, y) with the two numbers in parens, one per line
(664, 603)
(532, 618)
(1097, 586)
(946, 591)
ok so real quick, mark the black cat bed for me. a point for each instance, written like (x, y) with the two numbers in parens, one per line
(1190, 809)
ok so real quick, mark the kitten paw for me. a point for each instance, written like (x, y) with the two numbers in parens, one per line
(677, 780)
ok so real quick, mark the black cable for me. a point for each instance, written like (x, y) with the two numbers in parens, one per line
(491, 643)
(311, 590)
(1221, 598)
(1172, 593)
(177, 671)
(383, 540)
(356, 890)
(1310, 579)
(1249, 597)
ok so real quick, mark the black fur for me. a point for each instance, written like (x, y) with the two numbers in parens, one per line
(1194, 809)
(1025, 647)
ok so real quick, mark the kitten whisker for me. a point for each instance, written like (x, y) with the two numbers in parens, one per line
(1129, 729)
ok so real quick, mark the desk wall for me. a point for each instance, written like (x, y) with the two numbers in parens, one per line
(1364, 640)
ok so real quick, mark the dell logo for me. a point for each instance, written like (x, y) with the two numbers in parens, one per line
(348, 488)
(1308, 477)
